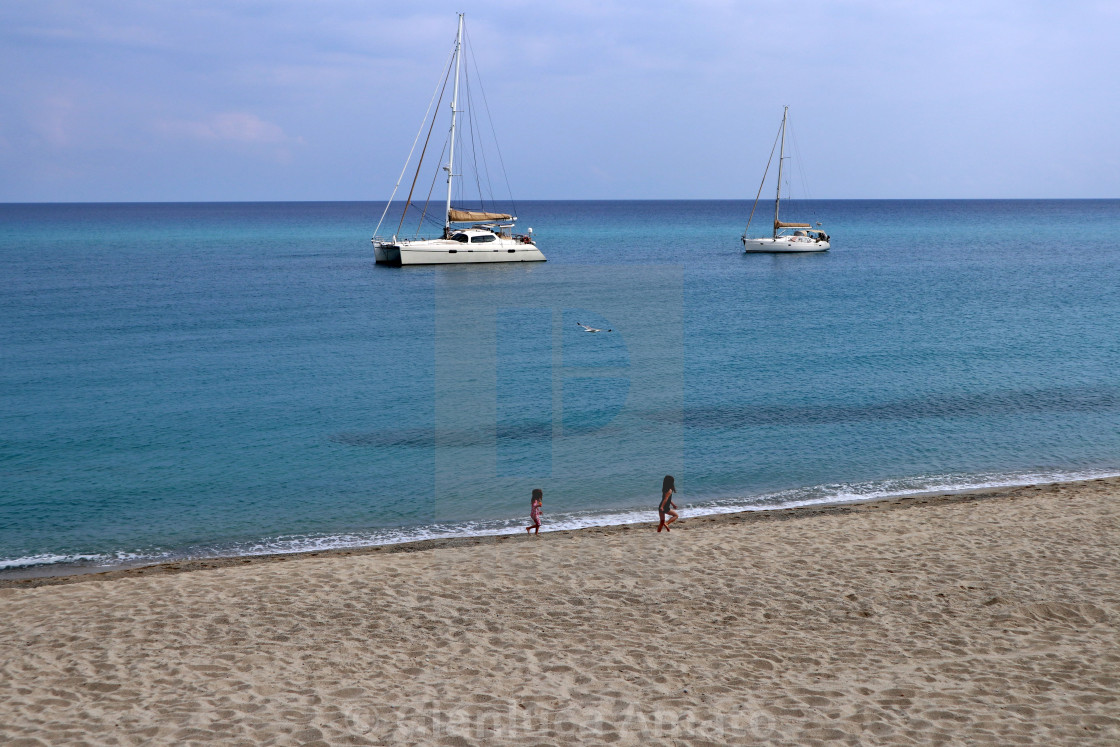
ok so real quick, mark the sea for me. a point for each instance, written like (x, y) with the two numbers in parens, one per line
(222, 379)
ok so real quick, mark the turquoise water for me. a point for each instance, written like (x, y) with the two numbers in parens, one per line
(198, 379)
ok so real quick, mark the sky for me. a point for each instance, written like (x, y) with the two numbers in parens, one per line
(230, 100)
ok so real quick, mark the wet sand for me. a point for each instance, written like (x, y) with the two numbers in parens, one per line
(990, 617)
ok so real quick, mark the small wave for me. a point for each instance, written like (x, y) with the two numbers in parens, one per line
(836, 493)
(46, 559)
(81, 560)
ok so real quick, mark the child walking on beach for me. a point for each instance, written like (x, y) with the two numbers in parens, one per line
(665, 508)
(535, 511)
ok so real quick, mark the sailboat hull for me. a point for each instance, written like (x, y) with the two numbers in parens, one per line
(450, 252)
(784, 245)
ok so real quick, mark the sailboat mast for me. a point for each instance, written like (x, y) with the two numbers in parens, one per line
(781, 158)
(454, 110)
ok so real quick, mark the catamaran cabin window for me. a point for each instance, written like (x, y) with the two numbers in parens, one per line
(483, 238)
(461, 237)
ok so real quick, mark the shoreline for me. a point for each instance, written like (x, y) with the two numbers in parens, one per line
(982, 617)
(38, 576)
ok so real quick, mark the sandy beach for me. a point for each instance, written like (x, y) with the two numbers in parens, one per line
(980, 618)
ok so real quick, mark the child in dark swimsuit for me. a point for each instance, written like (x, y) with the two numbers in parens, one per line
(665, 508)
(535, 511)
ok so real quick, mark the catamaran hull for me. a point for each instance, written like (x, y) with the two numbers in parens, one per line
(784, 245)
(444, 252)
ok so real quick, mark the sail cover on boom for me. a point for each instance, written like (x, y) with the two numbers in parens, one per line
(780, 224)
(470, 216)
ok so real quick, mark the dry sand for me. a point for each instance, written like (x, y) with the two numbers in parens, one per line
(983, 618)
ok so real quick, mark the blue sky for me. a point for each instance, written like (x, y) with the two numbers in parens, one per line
(594, 99)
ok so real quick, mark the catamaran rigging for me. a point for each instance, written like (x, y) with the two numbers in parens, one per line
(490, 239)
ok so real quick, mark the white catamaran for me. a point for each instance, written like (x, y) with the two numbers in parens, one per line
(804, 238)
(490, 236)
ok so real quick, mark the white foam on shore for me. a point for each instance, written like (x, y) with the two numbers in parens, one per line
(819, 495)
(822, 495)
(50, 559)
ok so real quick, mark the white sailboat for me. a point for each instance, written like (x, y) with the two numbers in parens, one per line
(488, 238)
(786, 237)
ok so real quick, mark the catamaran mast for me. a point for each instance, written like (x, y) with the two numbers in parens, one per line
(781, 158)
(454, 110)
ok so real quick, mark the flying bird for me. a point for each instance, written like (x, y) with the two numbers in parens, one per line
(590, 329)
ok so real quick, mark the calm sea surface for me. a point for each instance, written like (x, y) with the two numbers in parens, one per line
(199, 379)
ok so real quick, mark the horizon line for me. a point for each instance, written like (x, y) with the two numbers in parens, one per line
(566, 199)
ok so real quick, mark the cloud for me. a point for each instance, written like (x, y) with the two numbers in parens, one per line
(235, 127)
(664, 99)
(54, 121)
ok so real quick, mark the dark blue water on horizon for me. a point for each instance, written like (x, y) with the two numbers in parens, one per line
(225, 378)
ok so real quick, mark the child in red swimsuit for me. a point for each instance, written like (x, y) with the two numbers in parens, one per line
(535, 511)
